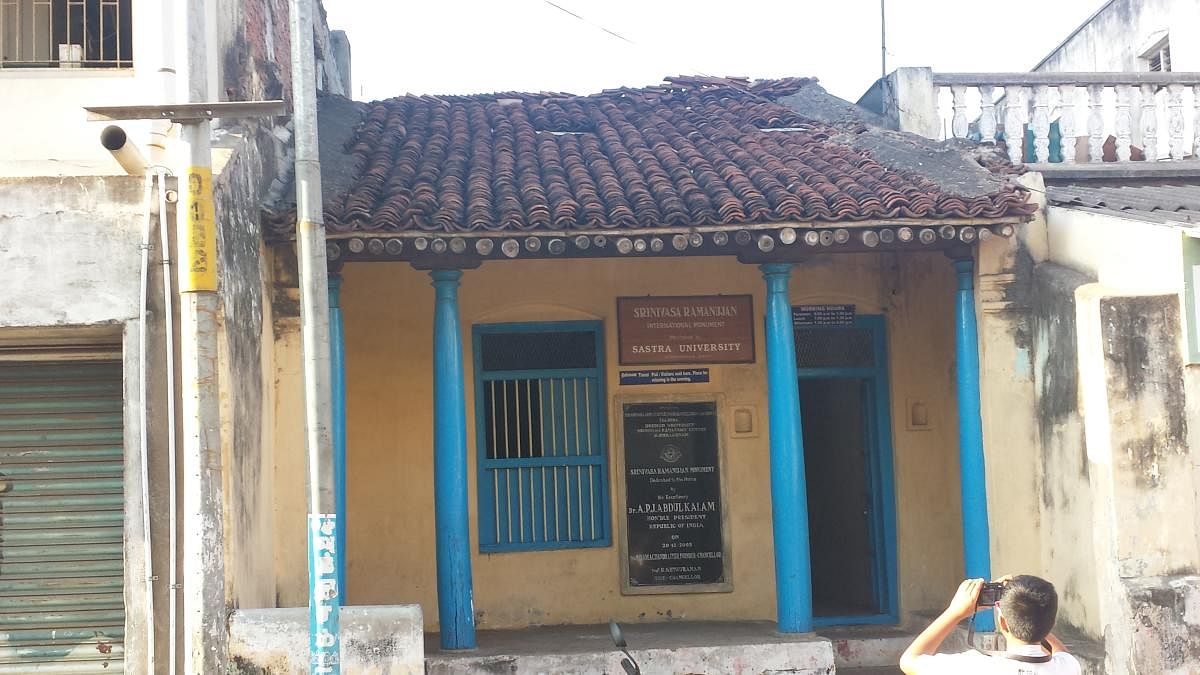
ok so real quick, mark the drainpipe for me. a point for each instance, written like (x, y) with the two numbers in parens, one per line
(324, 593)
(115, 140)
(143, 419)
(172, 448)
(159, 131)
(205, 636)
(337, 355)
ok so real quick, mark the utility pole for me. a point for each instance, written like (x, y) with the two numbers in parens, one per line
(206, 649)
(883, 40)
(324, 595)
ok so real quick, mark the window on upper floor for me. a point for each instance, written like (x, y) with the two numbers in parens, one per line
(1158, 58)
(66, 34)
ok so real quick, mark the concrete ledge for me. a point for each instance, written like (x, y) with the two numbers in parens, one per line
(813, 657)
(702, 648)
(376, 640)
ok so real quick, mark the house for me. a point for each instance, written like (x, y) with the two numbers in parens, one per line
(1093, 313)
(689, 354)
(93, 519)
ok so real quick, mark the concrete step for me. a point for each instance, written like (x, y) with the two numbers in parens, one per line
(869, 671)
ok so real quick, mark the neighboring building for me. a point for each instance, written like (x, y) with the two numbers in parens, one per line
(1094, 314)
(82, 339)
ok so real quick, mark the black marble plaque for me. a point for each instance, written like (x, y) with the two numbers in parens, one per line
(673, 494)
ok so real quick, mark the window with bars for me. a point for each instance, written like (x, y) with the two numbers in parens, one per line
(66, 34)
(543, 473)
(1158, 59)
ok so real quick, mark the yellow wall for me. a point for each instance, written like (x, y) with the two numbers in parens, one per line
(388, 312)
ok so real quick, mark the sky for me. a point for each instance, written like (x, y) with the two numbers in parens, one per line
(476, 46)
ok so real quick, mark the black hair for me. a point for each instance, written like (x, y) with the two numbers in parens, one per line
(1029, 606)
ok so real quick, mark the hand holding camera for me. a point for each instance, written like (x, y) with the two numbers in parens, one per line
(989, 594)
(974, 595)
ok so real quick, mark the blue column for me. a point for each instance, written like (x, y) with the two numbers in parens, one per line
(456, 607)
(789, 496)
(976, 546)
(337, 360)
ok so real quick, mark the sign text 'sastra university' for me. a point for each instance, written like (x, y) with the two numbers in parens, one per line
(686, 329)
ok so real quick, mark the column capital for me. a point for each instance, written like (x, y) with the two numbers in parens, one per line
(965, 269)
(445, 277)
(775, 272)
(335, 289)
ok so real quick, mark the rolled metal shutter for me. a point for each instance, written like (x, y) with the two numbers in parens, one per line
(62, 604)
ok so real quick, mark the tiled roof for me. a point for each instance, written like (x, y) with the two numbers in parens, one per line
(1162, 203)
(694, 151)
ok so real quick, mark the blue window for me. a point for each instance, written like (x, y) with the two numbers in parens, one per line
(540, 435)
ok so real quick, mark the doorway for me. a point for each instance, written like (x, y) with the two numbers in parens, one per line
(846, 424)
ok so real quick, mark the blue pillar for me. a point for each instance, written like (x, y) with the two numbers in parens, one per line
(456, 607)
(337, 360)
(789, 496)
(976, 546)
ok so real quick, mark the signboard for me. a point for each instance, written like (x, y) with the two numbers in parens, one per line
(674, 535)
(682, 376)
(686, 329)
(822, 315)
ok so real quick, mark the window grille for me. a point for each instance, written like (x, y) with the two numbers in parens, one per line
(1159, 58)
(849, 347)
(543, 480)
(66, 34)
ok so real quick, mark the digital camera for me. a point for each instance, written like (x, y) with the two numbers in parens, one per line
(989, 595)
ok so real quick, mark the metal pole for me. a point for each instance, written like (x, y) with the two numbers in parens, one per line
(789, 493)
(337, 355)
(976, 538)
(324, 593)
(206, 649)
(883, 40)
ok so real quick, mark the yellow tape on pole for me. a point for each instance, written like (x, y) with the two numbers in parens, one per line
(200, 239)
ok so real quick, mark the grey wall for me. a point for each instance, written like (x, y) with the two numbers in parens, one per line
(1113, 39)
(69, 250)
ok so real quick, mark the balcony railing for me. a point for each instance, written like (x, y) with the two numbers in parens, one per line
(1065, 117)
(66, 34)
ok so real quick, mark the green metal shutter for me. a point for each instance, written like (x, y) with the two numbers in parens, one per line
(62, 608)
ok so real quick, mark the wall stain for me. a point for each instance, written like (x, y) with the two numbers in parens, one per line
(1143, 362)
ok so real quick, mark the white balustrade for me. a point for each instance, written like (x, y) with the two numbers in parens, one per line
(959, 123)
(1106, 114)
(1124, 123)
(1150, 122)
(1066, 122)
(1174, 120)
(1041, 123)
(1096, 123)
(1014, 125)
(987, 114)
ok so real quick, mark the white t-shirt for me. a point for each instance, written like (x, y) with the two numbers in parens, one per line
(978, 663)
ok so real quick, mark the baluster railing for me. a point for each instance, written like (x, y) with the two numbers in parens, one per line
(1066, 123)
(1014, 131)
(1149, 122)
(1040, 99)
(1096, 124)
(958, 126)
(1174, 121)
(1124, 123)
(987, 114)
(1041, 123)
